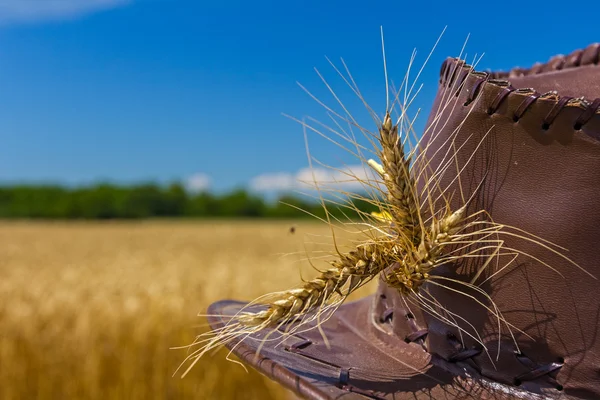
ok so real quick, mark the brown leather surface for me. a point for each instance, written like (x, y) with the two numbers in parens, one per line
(545, 181)
(378, 367)
(563, 82)
(541, 164)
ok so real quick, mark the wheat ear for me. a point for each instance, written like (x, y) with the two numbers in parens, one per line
(414, 240)
(395, 172)
(415, 267)
(353, 268)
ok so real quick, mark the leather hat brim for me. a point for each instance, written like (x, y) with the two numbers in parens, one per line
(346, 358)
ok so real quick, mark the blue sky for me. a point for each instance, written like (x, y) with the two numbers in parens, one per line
(162, 90)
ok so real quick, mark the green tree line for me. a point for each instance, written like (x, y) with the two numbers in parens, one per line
(107, 201)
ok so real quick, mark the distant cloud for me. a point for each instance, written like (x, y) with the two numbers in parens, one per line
(276, 181)
(345, 179)
(12, 11)
(198, 182)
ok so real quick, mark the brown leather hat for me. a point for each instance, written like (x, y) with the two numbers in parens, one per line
(538, 156)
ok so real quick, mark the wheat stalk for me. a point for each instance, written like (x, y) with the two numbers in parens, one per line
(411, 264)
(354, 268)
(395, 171)
(414, 234)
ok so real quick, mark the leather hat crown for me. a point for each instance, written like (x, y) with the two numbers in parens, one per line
(529, 142)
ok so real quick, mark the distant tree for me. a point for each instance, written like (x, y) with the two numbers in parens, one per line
(176, 200)
(100, 202)
(108, 201)
(242, 204)
(203, 204)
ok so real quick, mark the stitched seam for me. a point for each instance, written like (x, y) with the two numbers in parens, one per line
(537, 371)
(589, 109)
(417, 334)
(556, 63)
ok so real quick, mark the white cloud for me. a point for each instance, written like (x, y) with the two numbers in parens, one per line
(275, 181)
(37, 10)
(344, 178)
(198, 182)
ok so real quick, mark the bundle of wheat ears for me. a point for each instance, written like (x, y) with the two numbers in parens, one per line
(414, 232)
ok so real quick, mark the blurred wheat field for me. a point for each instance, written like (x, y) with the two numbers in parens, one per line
(92, 310)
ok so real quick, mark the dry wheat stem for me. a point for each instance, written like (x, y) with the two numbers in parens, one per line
(365, 262)
(399, 182)
(415, 232)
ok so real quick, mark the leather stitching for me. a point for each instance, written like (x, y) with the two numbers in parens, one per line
(589, 109)
(587, 114)
(475, 91)
(463, 354)
(524, 106)
(557, 108)
(556, 63)
(538, 371)
(499, 99)
(344, 373)
(418, 334)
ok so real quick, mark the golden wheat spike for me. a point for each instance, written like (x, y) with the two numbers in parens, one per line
(363, 263)
(399, 182)
(416, 229)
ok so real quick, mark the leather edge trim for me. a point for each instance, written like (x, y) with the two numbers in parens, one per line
(578, 58)
(268, 367)
(459, 76)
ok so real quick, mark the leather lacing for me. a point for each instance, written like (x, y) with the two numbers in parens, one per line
(344, 384)
(343, 380)
(475, 91)
(449, 76)
(556, 63)
(525, 104)
(536, 371)
(417, 335)
(557, 108)
(587, 114)
(499, 99)
(461, 354)
(456, 71)
(467, 355)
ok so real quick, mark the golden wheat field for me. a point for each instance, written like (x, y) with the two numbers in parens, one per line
(92, 310)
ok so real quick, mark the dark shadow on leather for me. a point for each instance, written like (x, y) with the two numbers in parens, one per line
(551, 136)
(541, 347)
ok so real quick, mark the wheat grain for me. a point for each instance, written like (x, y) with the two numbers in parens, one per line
(399, 182)
(418, 230)
(355, 267)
